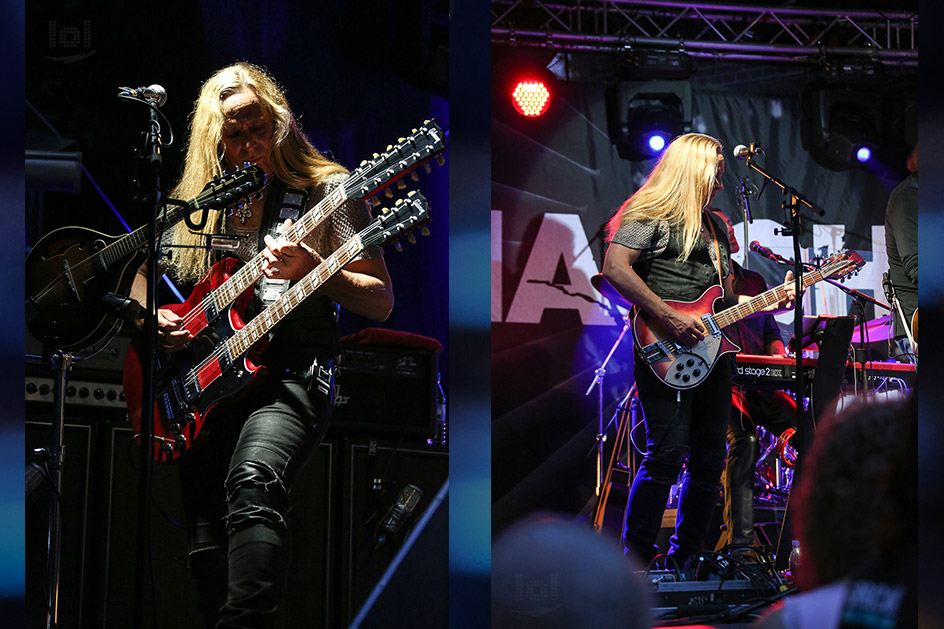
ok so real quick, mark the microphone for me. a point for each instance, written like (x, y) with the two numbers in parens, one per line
(154, 93)
(764, 251)
(743, 152)
(399, 514)
(889, 288)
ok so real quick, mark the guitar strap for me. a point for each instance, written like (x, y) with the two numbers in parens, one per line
(714, 238)
(287, 203)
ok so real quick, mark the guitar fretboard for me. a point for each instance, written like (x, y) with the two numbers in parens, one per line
(768, 298)
(240, 342)
(122, 247)
(233, 287)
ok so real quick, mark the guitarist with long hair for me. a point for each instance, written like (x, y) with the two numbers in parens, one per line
(235, 487)
(664, 246)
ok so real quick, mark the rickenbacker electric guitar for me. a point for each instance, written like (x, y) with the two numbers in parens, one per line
(370, 177)
(71, 270)
(191, 382)
(683, 367)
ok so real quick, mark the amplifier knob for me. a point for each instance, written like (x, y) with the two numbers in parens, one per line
(83, 392)
(99, 394)
(44, 389)
(31, 388)
(70, 391)
(111, 395)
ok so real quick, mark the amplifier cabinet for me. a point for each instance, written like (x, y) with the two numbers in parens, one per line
(373, 475)
(386, 391)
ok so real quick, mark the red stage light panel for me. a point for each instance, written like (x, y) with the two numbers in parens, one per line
(531, 98)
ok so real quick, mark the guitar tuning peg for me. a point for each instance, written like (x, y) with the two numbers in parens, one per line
(374, 201)
(376, 155)
(398, 246)
(363, 163)
(401, 140)
(399, 202)
(410, 238)
(246, 165)
(414, 176)
(216, 177)
(426, 166)
(440, 160)
(424, 230)
(401, 184)
(388, 193)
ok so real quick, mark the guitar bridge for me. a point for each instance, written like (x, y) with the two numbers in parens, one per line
(657, 351)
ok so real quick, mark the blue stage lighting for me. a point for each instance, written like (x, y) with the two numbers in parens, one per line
(864, 154)
(656, 142)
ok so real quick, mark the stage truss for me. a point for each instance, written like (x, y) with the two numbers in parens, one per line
(789, 34)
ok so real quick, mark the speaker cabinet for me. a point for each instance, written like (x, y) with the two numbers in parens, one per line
(373, 475)
(171, 593)
(76, 505)
(306, 601)
(386, 391)
(308, 597)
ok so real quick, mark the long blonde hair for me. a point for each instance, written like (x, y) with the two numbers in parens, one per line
(677, 189)
(293, 159)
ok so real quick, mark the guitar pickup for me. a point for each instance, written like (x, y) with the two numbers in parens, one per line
(710, 324)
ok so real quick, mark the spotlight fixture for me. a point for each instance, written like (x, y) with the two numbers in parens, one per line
(840, 127)
(643, 117)
(531, 97)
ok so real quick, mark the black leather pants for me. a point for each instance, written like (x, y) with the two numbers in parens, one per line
(235, 492)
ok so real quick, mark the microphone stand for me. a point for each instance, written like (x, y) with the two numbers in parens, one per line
(793, 201)
(598, 382)
(149, 163)
(744, 191)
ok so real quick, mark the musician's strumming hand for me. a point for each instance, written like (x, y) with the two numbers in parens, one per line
(685, 329)
(286, 260)
(173, 335)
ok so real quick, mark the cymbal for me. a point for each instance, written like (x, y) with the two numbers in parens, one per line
(606, 289)
(876, 330)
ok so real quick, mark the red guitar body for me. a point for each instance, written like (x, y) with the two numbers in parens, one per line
(676, 365)
(182, 402)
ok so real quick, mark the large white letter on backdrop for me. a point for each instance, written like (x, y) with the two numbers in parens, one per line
(560, 237)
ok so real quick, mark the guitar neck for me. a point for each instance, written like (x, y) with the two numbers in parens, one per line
(125, 245)
(278, 310)
(240, 281)
(768, 298)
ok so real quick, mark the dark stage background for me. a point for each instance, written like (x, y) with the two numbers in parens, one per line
(358, 75)
(557, 179)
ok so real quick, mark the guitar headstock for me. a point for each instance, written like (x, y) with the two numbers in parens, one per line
(405, 216)
(399, 159)
(229, 188)
(842, 265)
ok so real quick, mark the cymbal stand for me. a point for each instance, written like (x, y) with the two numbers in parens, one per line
(599, 374)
